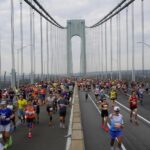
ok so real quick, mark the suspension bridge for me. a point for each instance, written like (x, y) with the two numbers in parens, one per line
(113, 48)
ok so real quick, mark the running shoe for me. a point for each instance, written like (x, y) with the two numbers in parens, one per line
(136, 123)
(106, 129)
(103, 126)
(112, 148)
(10, 141)
(6, 146)
(29, 135)
(60, 125)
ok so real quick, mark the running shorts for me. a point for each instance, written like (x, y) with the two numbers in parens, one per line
(5, 128)
(104, 113)
(115, 134)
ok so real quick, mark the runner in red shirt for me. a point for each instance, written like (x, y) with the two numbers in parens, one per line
(133, 100)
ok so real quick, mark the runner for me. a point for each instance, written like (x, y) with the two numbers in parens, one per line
(133, 100)
(30, 116)
(21, 108)
(13, 109)
(113, 96)
(102, 95)
(5, 119)
(86, 96)
(96, 92)
(141, 94)
(36, 106)
(42, 95)
(50, 103)
(147, 87)
(104, 113)
(62, 104)
(116, 126)
(55, 103)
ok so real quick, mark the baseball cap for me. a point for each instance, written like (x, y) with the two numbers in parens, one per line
(116, 108)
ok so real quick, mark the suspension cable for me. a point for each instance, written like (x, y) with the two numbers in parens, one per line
(41, 7)
(111, 15)
(41, 14)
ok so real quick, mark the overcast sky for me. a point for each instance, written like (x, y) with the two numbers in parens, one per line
(62, 10)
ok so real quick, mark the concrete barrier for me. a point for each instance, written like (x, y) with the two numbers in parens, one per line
(77, 138)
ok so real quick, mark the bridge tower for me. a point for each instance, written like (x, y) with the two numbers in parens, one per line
(76, 28)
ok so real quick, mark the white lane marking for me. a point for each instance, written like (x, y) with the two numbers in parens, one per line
(142, 118)
(68, 143)
(122, 146)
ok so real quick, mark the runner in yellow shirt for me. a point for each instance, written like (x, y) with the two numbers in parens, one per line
(113, 96)
(21, 108)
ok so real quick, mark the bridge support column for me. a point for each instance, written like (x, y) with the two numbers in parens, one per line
(76, 28)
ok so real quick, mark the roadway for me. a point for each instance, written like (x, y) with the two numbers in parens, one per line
(44, 137)
(135, 137)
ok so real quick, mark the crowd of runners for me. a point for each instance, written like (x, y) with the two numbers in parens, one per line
(106, 93)
(22, 106)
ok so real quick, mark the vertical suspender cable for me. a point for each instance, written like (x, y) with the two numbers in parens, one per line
(133, 55)
(98, 49)
(12, 46)
(89, 45)
(58, 50)
(142, 21)
(0, 61)
(34, 61)
(106, 47)
(92, 50)
(102, 50)
(51, 31)
(21, 36)
(111, 63)
(41, 28)
(127, 39)
(47, 41)
(31, 44)
(55, 53)
(119, 46)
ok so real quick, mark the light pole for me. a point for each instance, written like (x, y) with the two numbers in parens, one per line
(148, 45)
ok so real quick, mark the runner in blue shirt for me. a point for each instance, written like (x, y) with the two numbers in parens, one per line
(5, 120)
(116, 125)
